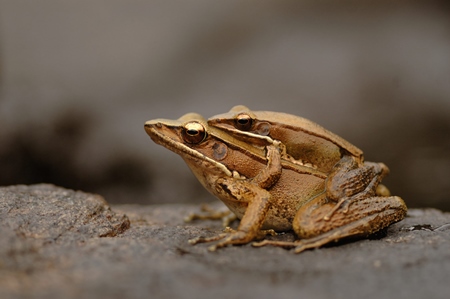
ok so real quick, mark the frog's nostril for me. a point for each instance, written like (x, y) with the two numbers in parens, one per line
(151, 124)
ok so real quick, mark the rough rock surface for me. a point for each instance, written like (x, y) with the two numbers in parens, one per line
(58, 243)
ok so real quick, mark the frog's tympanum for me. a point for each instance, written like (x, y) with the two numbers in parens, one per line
(277, 174)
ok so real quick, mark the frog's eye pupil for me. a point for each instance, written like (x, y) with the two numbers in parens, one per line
(194, 133)
(244, 122)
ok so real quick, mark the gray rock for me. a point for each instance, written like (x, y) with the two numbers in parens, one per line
(58, 243)
(32, 218)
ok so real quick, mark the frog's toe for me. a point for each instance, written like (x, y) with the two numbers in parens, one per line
(228, 237)
(284, 244)
(198, 240)
(260, 243)
(233, 238)
(212, 248)
(299, 245)
(212, 214)
(302, 246)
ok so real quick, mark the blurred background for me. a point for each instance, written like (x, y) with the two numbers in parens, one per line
(78, 79)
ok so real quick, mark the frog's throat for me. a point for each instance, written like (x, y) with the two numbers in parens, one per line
(185, 151)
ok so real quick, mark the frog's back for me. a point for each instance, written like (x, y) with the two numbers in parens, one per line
(299, 124)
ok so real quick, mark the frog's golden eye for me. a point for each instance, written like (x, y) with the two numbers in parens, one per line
(243, 122)
(194, 133)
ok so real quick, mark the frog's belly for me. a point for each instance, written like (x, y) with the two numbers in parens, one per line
(288, 195)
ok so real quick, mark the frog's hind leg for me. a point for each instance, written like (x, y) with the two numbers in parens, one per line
(364, 217)
(349, 230)
(362, 227)
(349, 183)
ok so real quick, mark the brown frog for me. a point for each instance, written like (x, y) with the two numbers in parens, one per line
(309, 144)
(306, 142)
(266, 190)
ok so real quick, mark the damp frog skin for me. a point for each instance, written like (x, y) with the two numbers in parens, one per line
(266, 190)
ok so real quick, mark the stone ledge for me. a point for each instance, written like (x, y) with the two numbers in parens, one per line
(61, 243)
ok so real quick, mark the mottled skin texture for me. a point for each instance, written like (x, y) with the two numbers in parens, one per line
(267, 189)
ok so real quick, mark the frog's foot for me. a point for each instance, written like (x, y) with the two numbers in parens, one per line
(349, 183)
(231, 237)
(261, 234)
(371, 189)
(299, 245)
(226, 216)
(198, 240)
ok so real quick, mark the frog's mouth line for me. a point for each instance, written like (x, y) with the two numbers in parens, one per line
(183, 150)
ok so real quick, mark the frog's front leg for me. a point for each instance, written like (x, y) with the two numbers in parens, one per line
(249, 228)
(272, 172)
(251, 192)
(348, 182)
